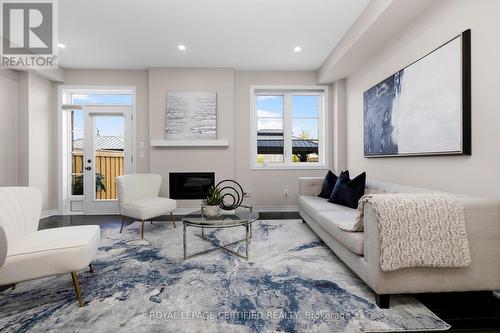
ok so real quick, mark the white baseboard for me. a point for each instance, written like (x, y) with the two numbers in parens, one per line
(184, 211)
(98, 213)
(258, 209)
(49, 213)
(181, 211)
(275, 209)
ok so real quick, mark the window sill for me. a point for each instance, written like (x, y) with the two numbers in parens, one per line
(289, 167)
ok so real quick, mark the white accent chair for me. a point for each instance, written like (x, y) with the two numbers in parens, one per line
(139, 197)
(27, 254)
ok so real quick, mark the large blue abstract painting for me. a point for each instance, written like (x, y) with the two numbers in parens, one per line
(423, 109)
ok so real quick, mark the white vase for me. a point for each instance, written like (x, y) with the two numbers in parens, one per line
(211, 211)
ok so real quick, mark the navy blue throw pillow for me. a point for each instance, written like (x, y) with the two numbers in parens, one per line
(347, 192)
(328, 185)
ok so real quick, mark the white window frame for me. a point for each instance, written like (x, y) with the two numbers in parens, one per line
(65, 195)
(287, 92)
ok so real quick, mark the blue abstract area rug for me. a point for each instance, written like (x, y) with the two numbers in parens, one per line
(292, 283)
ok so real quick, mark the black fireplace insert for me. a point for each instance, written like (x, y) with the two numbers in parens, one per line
(190, 185)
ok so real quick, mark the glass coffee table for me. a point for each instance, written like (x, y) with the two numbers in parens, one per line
(241, 218)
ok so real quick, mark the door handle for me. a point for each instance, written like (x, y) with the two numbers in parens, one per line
(88, 168)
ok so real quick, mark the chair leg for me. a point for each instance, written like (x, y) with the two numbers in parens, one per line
(77, 288)
(123, 222)
(91, 269)
(14, 286)
(172, 217)
(142, 230)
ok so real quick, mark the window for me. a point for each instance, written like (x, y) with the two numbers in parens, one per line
(288, 127)
(270, 124)
(101, 99)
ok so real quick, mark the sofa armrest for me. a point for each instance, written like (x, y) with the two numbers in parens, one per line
(482, 220)
(310, 185)
(371, 244)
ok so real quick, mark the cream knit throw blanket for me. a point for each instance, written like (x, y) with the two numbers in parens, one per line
(418, 230)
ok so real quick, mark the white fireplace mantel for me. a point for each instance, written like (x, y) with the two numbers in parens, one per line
(189, 143)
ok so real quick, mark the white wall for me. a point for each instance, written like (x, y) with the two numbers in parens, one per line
(8, 127)
(28, 149)
(265, 186)
(233, 112)
(476, 174)
(23, 129)
(219, 160)
(42, 135)
(339, 126)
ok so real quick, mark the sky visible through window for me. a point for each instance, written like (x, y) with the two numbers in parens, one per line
(105, 99)
(304, 112)
(107, 126)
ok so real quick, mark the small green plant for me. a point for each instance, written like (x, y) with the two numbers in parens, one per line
(214, 197)
(100, 185)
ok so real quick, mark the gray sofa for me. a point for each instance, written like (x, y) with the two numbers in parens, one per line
(360, 250)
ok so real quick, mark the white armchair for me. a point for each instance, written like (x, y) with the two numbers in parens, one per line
(27, 254)
(139, 197)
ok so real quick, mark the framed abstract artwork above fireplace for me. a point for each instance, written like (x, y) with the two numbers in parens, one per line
(191, 116)
(423, 109)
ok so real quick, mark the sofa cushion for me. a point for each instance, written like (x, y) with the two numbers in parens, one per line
(50, 252)
(347, 192)
(148, 208)
(312, 205)
(54, 239)
(328, 185)
(351, 240)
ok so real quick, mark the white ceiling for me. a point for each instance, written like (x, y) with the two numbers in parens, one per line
(240, 34)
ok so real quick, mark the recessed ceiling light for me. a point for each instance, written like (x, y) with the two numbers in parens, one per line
(61, 46)
(297, 49)
(182, 47)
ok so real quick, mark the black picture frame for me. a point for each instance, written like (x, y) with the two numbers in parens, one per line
(466, 124)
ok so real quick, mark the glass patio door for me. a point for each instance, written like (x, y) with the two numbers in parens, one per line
(107, 154)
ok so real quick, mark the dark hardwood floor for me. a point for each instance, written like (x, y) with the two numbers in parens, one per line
(465, 312)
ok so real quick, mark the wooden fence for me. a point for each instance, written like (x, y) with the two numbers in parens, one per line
(109, 164)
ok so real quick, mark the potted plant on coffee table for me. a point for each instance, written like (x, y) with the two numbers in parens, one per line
(211, 204)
